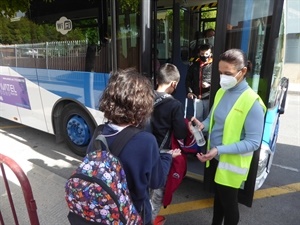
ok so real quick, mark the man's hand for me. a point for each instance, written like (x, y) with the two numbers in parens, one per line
(191, 96)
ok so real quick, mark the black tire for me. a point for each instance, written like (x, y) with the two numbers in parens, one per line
(77, 128)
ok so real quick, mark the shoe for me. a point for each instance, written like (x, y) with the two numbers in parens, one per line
(159, 220)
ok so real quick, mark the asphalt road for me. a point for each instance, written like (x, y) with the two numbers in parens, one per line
(48, 165)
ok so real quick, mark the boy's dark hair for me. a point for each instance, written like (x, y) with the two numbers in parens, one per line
(204, 47)
(167, 73)
(128, 98)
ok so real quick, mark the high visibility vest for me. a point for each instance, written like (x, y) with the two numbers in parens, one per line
(233, 169)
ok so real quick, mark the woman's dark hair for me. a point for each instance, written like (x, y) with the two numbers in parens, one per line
(236, 57)
(128, 98)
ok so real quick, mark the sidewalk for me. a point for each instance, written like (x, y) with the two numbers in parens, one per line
(47, 187)
(294, 88)
(48, 192)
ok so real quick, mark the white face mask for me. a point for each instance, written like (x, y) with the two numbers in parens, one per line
(228, 82)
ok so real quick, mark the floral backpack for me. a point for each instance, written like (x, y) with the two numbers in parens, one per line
(97, 192)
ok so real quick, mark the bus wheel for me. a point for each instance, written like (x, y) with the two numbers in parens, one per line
(77, 128)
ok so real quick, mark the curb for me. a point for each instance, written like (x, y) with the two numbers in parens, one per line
(294, 88)
(293, 92)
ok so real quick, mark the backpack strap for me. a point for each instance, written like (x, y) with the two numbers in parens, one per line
(120, 141)
(165, 140)
(122, 138)
(159, 100)
(102, 140)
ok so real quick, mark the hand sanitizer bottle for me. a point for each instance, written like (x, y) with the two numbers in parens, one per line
(198, 135)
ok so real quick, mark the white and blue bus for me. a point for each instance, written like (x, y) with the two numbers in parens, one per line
(56, 56)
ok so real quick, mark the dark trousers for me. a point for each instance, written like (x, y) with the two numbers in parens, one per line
(225, 205)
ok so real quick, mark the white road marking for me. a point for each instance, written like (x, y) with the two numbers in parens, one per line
(286, 167)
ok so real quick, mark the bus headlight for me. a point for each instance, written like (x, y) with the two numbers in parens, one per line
(263, 159)
(262, 170)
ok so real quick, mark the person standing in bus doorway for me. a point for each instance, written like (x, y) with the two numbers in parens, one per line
(198, 80)
(209, 35)
(235, 127)
(128, 101)
(155, 61)
(167, 119)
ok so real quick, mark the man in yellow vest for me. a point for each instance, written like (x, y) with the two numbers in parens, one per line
(235, 129)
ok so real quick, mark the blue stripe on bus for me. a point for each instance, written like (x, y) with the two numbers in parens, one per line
(85, 87)
(271, 127)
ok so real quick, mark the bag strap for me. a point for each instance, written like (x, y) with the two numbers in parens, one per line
(122, 138)
(164, 141)
(117, 146)
(120, 141)
(159, 100)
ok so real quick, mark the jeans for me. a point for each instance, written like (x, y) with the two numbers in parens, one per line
(156, 201)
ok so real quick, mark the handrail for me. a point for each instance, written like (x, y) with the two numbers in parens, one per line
(26, 189)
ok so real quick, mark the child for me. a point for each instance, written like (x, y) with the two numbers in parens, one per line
(167, 119)
(128, 101)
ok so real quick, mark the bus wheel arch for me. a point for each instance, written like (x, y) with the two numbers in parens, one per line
(74, 125)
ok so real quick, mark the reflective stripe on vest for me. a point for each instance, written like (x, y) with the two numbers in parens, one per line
(233, 169)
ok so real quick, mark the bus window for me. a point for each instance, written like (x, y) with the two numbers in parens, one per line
(248, 31)
(208, 21)
(164, 35)
(128, 39)
(184, 35)
(45, 46)
(203, 18)
(275, 90)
